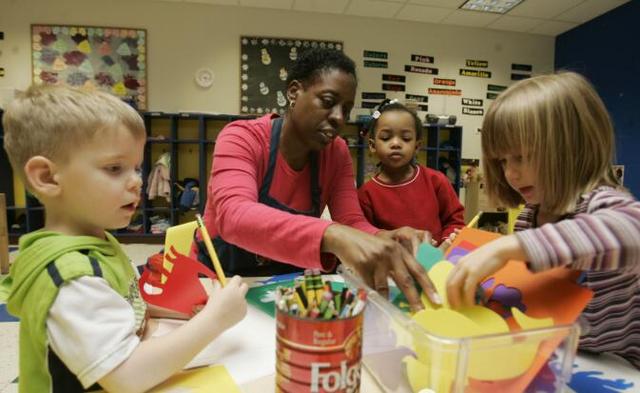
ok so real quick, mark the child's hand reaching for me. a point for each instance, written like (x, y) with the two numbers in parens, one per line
(227, 305)
(446, 243)
(474, 267)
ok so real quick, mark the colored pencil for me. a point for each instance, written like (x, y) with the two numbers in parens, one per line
(212, 252)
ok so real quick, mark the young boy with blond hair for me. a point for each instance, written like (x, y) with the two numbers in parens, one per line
(82, 319)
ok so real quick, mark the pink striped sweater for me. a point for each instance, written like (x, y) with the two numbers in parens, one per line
(602, 238)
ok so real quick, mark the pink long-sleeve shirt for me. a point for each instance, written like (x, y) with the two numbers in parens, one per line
(232, 211)
(602, 238)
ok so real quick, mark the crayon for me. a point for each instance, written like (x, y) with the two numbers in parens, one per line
(330, 311)
(300, 296)
(326, 298)
(319, 285)
(309, 286)
(300, 281)
(475, 220)
(346, 311)
(314, 312)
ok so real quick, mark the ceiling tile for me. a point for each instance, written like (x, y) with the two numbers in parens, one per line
(423, 14)
(451, 4)
(330, 6)
(514, 23)
(470, 18)
(377, 9)
(588, 10)
(279, 4)
(552, 28)
(543, 8)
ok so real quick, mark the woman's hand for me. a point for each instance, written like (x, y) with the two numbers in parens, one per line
(375, 258)
(410, 238)
(474, 267)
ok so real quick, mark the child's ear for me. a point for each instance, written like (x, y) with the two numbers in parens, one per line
(40, 173)
(372, 145)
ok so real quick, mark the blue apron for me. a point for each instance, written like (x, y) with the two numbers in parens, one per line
(236, 260)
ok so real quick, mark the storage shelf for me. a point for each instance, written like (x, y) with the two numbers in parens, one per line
(183, 135)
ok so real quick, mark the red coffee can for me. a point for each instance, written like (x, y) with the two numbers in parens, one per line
(316, 355)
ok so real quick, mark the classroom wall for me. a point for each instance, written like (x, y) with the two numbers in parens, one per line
(183, 37)
(605, 50)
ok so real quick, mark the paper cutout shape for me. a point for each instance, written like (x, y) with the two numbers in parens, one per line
(417, 373)
(504, 298)
(438, 275)
(180, 237)
(180, 288)
(429, 255)
(506, 363)
(456, 253)
(526, 322)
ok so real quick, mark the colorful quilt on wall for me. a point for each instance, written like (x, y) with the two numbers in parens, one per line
(107, 58)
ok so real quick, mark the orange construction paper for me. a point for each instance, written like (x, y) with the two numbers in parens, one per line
(550, 294)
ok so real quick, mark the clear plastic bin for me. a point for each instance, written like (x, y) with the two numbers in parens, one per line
(392, 338)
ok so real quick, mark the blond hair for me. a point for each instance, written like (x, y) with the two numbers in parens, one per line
(562, 128)
(50, 121)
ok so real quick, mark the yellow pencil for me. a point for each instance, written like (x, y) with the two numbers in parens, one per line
(475, 220)
(212, 252)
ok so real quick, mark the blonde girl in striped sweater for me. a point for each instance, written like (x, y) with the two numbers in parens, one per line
(548, 142)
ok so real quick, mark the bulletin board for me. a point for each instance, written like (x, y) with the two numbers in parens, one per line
(111, 59)
(264, 67)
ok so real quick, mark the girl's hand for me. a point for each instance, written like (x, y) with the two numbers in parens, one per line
(446, 243)
(375, 258)
(474, 267)
(227, 305)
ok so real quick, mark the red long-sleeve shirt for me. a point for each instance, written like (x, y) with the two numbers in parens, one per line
(426, 201)
(232, 211)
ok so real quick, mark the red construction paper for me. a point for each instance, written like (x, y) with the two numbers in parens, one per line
(182, 289)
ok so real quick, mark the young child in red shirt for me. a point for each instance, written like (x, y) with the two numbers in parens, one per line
(404, 193)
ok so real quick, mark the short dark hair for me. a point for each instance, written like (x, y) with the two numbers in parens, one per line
(387, 106)
(314, 61)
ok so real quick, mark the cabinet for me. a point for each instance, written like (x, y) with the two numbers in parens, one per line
(188, 140)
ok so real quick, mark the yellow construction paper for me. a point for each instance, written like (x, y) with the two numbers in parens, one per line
(526, 322)
(488, 321)
(442, 322)
(438, 275)
(417, 373)
(200, 380)
(445, 322)
(514, 357)
(180, 237)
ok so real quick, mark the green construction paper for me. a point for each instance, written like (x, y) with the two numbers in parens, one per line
(429, 255)
(263, 296)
